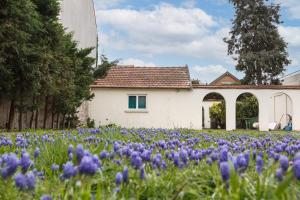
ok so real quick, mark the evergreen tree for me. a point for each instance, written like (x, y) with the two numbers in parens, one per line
(255, 42)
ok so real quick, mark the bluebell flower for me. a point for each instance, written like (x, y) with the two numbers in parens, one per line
(223, 155)
(25, 161)
(54, 167)
(12, 163)
(70, 149)
(46, 197)
(20, 181)
(30, 179)
(36, 152)
(70, 156)
(284, 163)
(279, 174)
(176, 159)
(209, 161)
(225, 171)
(125, 174)
(119, 178)
(259, 164)
(69, 170)
(87, 166)
(79, 152)
(103, 154)
(142, 173)
(296, 169)
(96, 161)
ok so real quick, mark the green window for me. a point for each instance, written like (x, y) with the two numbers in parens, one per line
(132, 102)
(136, 102)
(142, 102)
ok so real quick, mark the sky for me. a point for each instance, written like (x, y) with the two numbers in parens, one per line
(178, 33)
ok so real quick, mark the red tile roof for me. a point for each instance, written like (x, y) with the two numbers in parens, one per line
(272, 87)
(227, 74)
(145, 77)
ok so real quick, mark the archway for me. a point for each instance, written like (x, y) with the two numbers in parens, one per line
(247, 111)
(282, 111)
(214, 111)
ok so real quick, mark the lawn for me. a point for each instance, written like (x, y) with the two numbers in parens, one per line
(114, 163)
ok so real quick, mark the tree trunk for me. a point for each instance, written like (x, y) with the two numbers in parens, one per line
(31, 119)
(63, 121)
(20, 120)
(57, 121)
(52, 120)
(36, 123)
(11, 115)
(45, 112)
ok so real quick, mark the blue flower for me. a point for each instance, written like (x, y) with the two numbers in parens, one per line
(79, 152)
(30, 179)
(87, 166)
(224, 155)
(70, 149)
(46, 197)
(125, 174)
(296, 169)
(20, 181)
(25, 161)
(36, 152)
(54, 167)
(259, 164)
(119, 178)
(103, 154)
(225, 171)
(279, 174)
(284, 163)
(12, 163)
(69, 170)
(142, 173)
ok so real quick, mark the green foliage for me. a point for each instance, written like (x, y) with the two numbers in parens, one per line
(217, 113)
(90, 123)
(254, 38)
(105, 65)
(246, 107)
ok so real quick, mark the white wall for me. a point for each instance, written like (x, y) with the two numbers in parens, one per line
(181, 108)
(166, 108)
(78, 16)
(292, 79)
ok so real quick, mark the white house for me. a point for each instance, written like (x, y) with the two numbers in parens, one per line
(164, 97)
(291, 79)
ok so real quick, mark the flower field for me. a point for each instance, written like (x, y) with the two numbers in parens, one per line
(114, 163)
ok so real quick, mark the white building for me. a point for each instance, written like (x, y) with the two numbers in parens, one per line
(291, 79)
(154, 97)
(78, 16)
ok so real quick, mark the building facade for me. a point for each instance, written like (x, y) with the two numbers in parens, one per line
(165, 98)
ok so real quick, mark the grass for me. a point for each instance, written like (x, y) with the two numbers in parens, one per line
(192, 181)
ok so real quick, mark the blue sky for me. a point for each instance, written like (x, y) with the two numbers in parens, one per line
(176, 33)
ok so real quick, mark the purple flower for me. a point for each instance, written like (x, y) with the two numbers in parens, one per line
(87, 166)
(79, 152)
(46, 197)
(103, 154)
(30, 179)
(12, 163)
(296, 169)
(20, 181)
(125, 174)
(223, 155)
(259, 164)
(70, 149)
(119, 178)
(284, 163)
(176, 159)
(142, 173)
(54, 167)
(136, 162)
(225, 171)
(25, 161)
(279, 174)
(69, 170)
(36, 152)
(209, 161)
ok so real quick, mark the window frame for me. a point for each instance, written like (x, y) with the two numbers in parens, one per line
(137, 102)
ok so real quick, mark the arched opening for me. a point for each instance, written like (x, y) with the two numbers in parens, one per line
(214, 111)
(247, 111)
(282, 112)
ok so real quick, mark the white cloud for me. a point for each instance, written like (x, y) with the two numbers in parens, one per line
(165, 29)
(137, 62)
(292, 36)
(211, 69)
(100, 4)
(293, 7)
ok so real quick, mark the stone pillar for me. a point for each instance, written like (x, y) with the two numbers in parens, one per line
(230, 114)
(265, 104)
